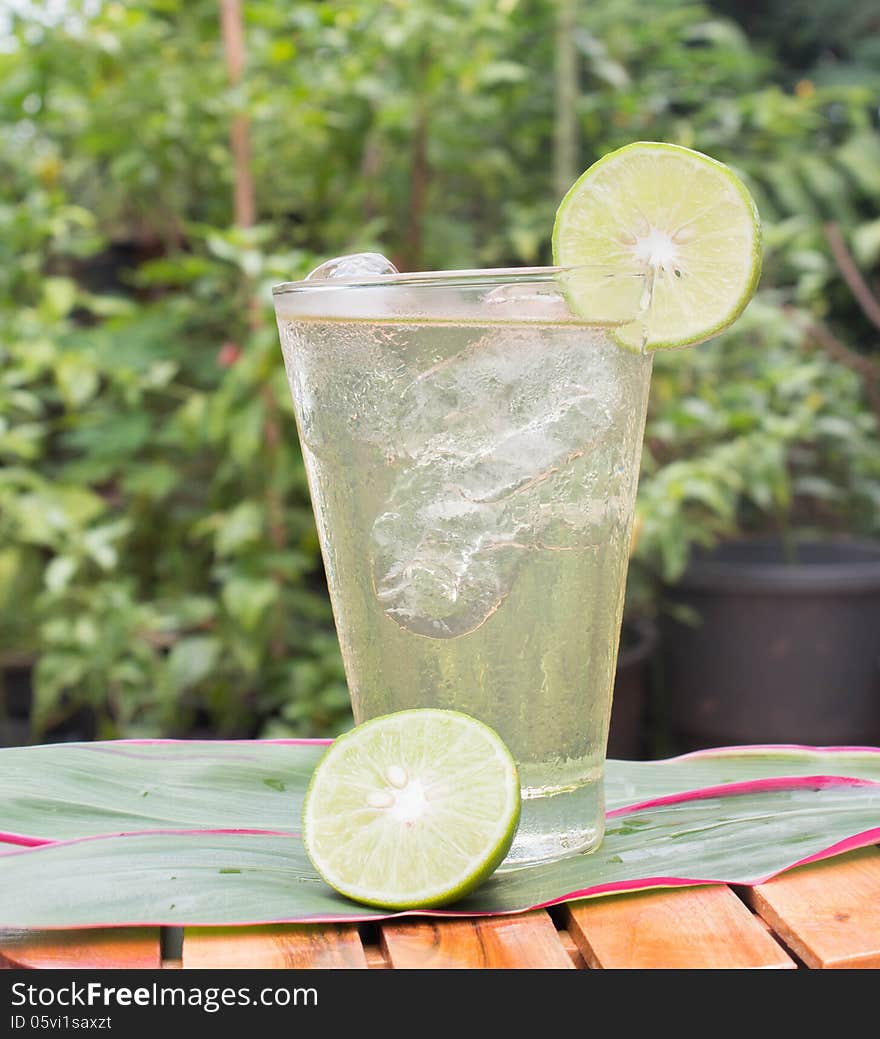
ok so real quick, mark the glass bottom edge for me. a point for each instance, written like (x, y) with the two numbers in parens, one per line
(558, 826)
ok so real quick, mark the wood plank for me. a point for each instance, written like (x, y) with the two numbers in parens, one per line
(574, 953)
(827, 913)
(494, 942)
(687, 927)
(274, 946)
(123, 947)
(376, 958)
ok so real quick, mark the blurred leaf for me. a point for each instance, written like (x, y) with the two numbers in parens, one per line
(22, 441)
(860, 156)
(866, 243)
(59, 572)
(113, 438)
(816, 487)
(77, 379)
(248, 599)
(191, 660)
(59, 295)
(100, 542)
(243, 526)
(502, 72)
(43, 515)
(153, 481)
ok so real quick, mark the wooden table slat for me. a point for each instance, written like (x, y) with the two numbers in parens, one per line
(279, 946)
(827, 913)
(523, 940)
(684, 927)
(574, 953)
(124, 947)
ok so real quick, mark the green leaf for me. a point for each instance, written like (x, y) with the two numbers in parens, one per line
(815, 487)
(20, 568)
(834, 426)
(503, 72)
(55, 672)
(721, 33)
(860, 156)
(866, 243)
(59, 572)
(191, 660)
(248, 599)
(22, 441)
(241, 527)
(115, 437)
(599, 62)
(87, 789)
(44, 514)
(658, 831)
(152, 481)
(77, 379)
(161, 373)
(59, 296)
(100, 542)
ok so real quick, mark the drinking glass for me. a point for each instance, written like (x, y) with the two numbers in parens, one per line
(472, 443)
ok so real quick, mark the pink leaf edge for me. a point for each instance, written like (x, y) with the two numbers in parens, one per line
(23, 843)
(108, 744)
(760, 748)
(746, 786)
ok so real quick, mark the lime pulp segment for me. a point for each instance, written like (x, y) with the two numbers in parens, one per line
(412, 810)
(682, 221)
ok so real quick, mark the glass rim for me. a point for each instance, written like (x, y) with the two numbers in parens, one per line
(479, 277)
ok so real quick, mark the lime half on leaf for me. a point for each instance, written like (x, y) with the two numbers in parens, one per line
(412, 810)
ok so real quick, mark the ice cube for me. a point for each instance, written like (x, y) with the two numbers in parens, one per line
(513, 450)
(358, 265)
(441, 565)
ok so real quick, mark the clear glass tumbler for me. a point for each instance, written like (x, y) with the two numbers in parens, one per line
(472, 448)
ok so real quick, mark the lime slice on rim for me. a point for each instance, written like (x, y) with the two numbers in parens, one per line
(412, 810)
(684, 222)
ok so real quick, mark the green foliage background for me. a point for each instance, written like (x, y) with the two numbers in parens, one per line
(157, 550)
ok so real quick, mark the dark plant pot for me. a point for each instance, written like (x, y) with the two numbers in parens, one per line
(778, 652)
(14, 732)
(78, 728)
(627, 738)
(16, 689)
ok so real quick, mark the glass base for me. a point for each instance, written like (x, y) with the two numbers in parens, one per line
(555, 826)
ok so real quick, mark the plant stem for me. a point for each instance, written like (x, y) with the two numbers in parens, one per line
(865, 367)
(418, 186)
(565, 136)
(851, 274)
(232, 25)
(245, 210)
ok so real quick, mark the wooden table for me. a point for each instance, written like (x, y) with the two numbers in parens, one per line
(822, 915)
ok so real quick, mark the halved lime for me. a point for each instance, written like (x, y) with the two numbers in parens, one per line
(682, 221)
(412, 810)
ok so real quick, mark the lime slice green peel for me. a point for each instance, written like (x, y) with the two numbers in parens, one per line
(682, 221)
(412, 810)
